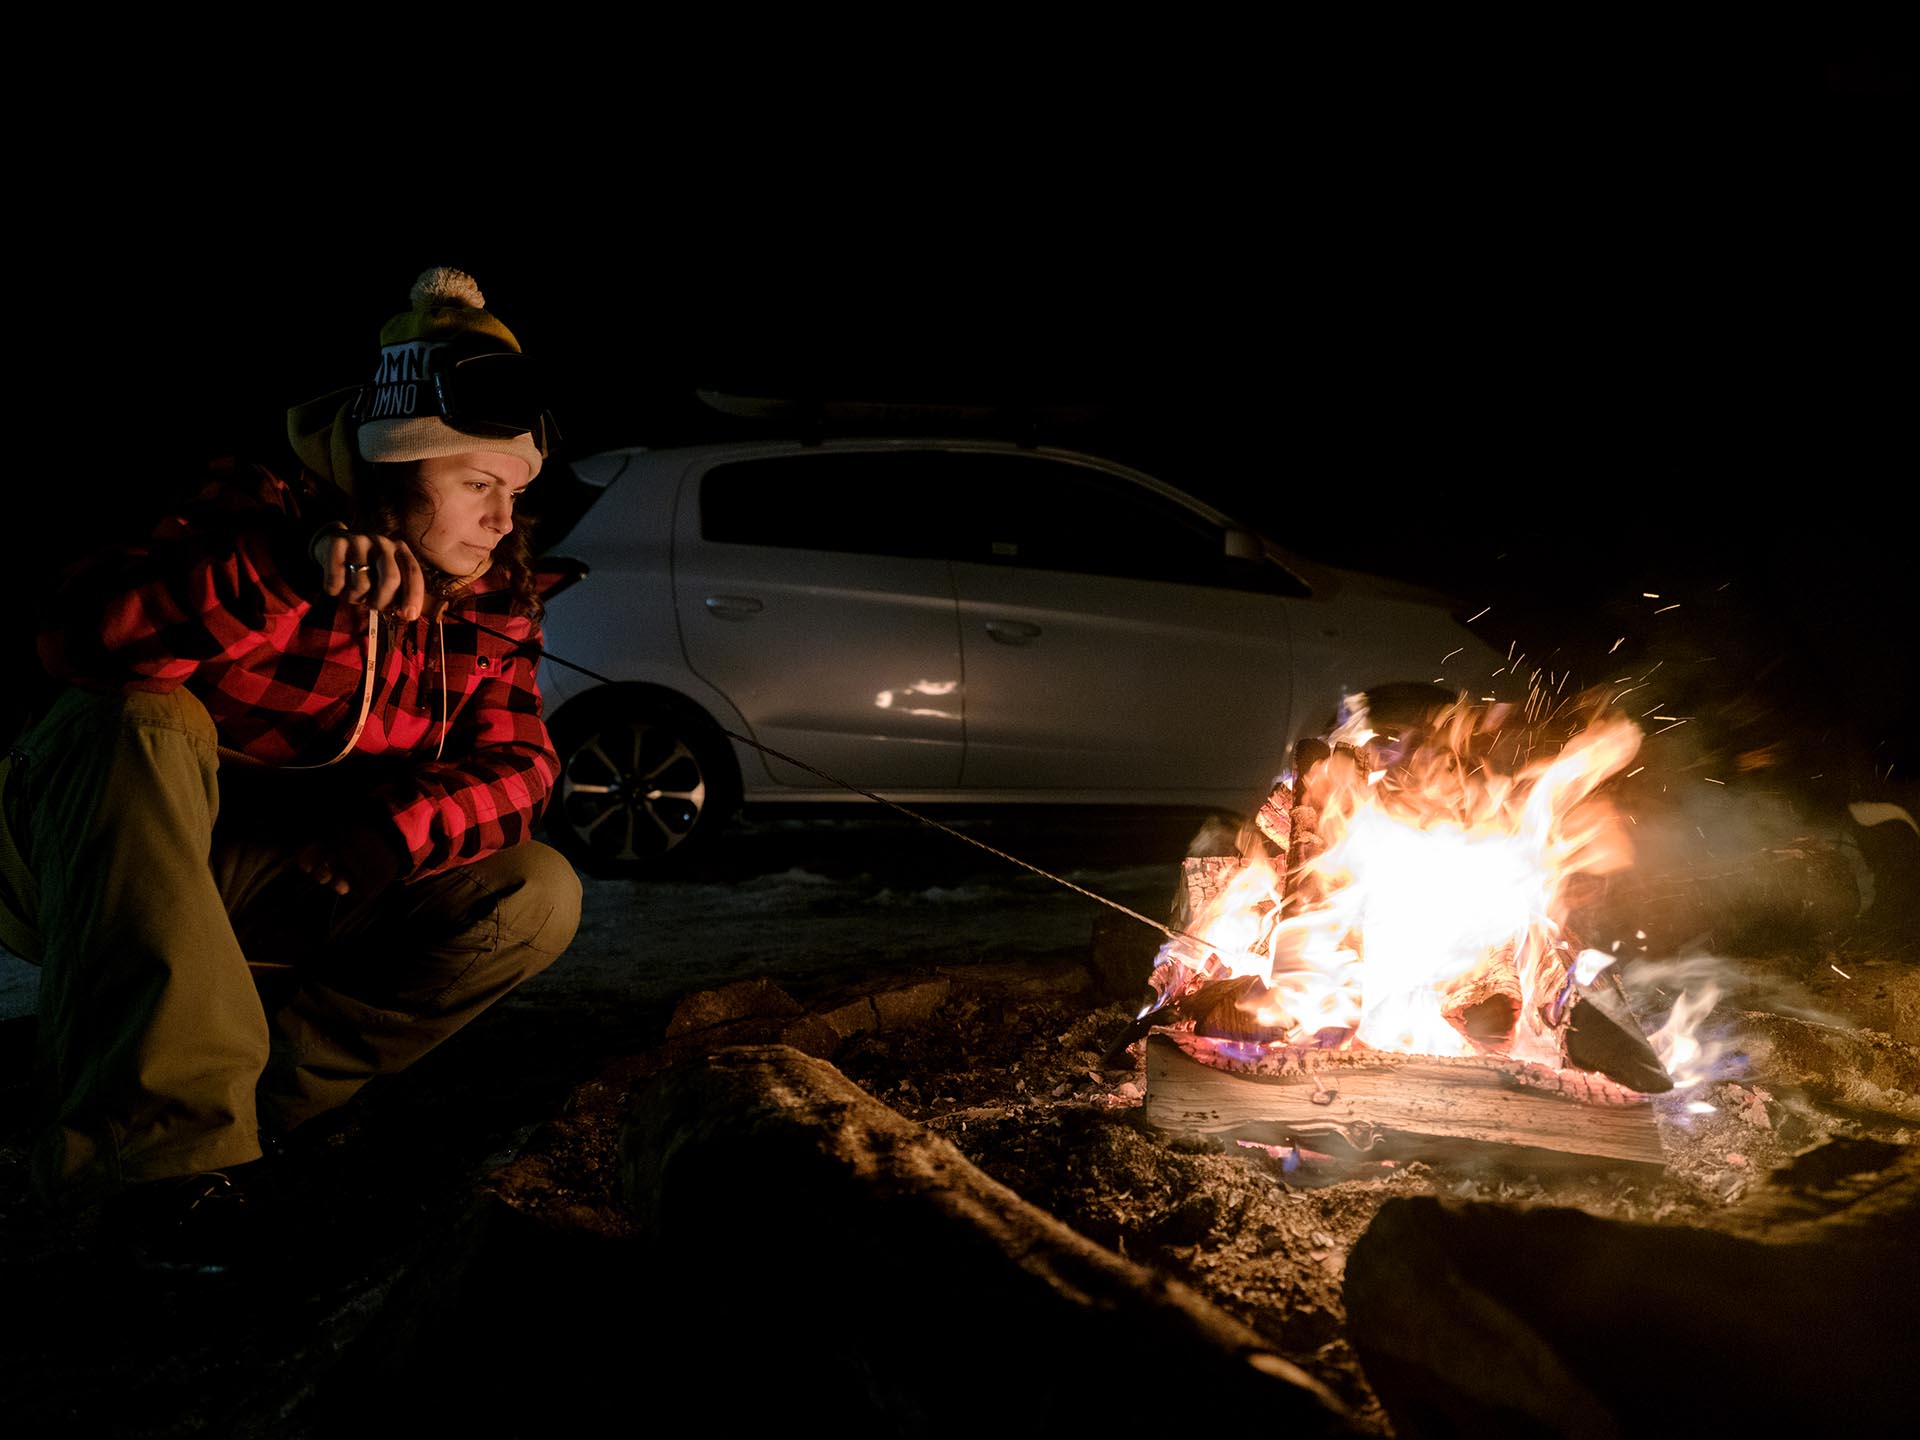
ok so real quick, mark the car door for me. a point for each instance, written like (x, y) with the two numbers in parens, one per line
(1111, 644)
(812, 589)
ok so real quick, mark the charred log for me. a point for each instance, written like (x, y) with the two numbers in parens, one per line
(1602, 1035)
(1853, 1070)
(844, 1261)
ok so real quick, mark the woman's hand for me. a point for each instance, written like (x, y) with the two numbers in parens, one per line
(372, 570)
(350, 862)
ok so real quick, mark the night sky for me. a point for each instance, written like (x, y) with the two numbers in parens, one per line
(1551, 340)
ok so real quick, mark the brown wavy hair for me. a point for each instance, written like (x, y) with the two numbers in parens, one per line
(389, 490)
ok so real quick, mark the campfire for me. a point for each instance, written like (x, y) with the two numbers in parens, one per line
(1388, 966)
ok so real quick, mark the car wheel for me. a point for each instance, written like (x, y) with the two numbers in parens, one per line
(645, 782)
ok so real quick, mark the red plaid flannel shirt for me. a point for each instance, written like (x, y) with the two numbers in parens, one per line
(224, 599)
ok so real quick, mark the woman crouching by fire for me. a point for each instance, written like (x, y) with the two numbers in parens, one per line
(270, 836)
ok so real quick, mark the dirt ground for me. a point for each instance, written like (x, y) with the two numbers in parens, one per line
(1008, 1069)
(527, 1108)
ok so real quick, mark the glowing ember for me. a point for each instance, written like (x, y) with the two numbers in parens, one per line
(1413, 893)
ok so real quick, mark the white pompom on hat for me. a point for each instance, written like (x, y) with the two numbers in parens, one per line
(400, 421)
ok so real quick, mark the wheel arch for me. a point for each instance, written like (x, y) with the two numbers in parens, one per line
(639, 692)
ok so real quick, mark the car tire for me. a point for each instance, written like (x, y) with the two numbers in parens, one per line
(646, 781)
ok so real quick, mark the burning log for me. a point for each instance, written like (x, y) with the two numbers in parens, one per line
(1243, 1008)
(823, 1249)
(1302, 889)
(1787, 1318)
(1202, 879)
(1376, 1105)
(1484, 1003)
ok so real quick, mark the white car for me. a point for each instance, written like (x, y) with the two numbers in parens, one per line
(938, 621)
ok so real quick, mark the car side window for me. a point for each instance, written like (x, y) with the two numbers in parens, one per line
(993, 508)
(865, 502)
(1041, 513)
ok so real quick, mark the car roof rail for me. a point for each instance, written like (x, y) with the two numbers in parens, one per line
(815, 418)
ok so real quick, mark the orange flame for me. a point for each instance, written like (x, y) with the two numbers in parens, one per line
(1434, 918)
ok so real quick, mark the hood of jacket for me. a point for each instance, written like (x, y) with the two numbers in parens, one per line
(321, 434)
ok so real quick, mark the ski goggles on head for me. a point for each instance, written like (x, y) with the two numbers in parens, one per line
(496, 394)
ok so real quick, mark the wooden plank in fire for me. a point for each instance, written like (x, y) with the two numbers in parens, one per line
(1376, 1106)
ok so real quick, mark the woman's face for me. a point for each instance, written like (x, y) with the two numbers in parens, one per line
(462, 507)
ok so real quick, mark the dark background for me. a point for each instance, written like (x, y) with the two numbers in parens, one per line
(1550, 328)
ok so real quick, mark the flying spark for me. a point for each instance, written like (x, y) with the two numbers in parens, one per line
(1476, 617)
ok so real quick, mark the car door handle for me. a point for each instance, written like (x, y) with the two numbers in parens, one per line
(733, 607)
(1012, 632)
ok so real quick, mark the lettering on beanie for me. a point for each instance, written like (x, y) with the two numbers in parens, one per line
(394, 392)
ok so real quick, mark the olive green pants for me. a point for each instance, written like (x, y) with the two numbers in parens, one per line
(195, 985)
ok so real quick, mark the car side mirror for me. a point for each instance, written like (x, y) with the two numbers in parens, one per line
(554, 573)
(1244, 545)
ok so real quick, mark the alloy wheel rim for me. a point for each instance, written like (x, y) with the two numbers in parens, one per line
(633, 791)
